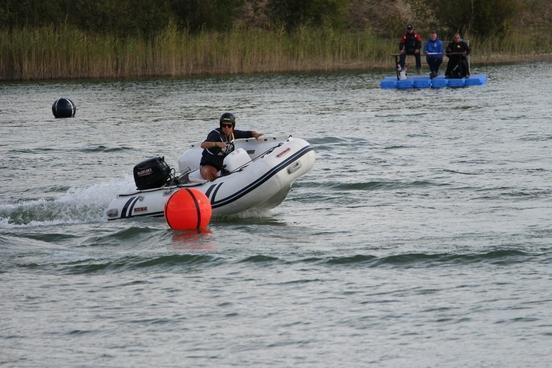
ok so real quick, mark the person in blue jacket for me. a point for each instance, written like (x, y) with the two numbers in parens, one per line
(219, 143)
(433, 50)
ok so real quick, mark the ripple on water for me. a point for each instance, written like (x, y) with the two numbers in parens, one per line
(425, 218)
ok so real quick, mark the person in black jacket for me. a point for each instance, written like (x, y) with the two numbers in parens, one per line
(218, 144)
(410, 44)
(457, 51)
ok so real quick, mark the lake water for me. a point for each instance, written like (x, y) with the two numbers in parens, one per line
(421, 238)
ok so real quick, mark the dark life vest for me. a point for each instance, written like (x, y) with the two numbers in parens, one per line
(410, 42)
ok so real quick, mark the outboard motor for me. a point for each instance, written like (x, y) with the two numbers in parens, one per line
(152, 173)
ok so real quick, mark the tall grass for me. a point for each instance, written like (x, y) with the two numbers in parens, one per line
(49, 53)
(526, 45)
(46, 53)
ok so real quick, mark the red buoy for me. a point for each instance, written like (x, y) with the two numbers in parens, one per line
(188, 209)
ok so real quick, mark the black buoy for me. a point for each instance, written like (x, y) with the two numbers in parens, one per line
(64, 108)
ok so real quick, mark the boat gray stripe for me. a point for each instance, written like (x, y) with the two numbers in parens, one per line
(132, 207)
(208, 191)
(125, 207)
(215, 193)
(261, 180)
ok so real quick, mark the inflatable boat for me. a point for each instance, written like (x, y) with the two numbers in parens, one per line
(257, 175)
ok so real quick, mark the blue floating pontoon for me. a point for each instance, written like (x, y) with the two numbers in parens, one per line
(422, 81)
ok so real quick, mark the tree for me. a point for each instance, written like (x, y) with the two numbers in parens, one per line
(292, 13)
(122, 17)
(197, 15)
(32, 13)
(478, 17)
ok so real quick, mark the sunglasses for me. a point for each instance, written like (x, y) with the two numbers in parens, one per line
(226, 125)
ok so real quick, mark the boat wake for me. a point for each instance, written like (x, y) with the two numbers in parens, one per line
(76, 205)
(80, 205)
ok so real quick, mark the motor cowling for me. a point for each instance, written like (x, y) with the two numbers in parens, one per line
(152, 173)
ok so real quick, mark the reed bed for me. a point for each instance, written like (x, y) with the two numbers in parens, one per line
(517, 47)
(68, 53)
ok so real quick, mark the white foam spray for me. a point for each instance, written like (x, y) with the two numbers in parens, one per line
(77, 205)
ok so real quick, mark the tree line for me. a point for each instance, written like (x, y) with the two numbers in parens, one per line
(146, 18)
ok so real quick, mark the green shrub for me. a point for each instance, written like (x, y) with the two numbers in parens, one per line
(477, 17)
(293, 14)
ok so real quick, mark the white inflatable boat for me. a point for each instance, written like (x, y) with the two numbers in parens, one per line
(257, 175)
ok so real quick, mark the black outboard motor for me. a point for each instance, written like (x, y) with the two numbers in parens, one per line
(152, 173)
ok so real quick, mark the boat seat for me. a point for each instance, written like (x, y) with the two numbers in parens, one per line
(236, 159)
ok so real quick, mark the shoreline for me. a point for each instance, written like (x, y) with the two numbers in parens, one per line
(48, 54)
(500, 59)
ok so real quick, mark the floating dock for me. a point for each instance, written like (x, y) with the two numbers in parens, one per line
(423, 81)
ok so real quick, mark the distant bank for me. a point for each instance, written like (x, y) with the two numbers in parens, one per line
(47, 53)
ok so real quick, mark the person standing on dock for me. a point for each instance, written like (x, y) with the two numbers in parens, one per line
(457, 51)
(410, 44)
(433, 50)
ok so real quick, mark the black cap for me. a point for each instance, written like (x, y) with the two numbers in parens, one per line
(409, 27)
(228, 117)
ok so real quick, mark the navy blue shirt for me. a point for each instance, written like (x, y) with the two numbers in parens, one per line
(214, 156)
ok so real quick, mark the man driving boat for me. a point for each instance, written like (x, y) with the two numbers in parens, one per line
(219, 143)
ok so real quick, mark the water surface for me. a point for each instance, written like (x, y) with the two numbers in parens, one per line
(421, 238)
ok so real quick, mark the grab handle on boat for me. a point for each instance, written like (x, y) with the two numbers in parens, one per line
(294, 167)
